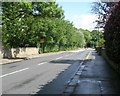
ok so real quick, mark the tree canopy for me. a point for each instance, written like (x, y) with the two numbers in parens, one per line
(102, 9)
(25, 23)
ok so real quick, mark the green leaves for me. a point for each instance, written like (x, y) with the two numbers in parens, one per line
(24, 23)
(102, 9)
(16, 24)
(112, 34)
(47, 9)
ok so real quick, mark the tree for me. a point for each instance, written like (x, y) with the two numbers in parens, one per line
(102, 9)
(16, 16)
(21, 18)
(97, 38)
(87, 37)
(24, 23)
(46, 15)
(47, 9)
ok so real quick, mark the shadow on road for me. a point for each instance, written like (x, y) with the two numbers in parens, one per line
(57, 85)
(66, 61)
(97, 78)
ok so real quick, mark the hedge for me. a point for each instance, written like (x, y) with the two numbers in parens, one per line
(112, 34)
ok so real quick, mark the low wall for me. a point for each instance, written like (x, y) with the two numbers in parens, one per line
(18, 52)
(1, 54)
(112, 64)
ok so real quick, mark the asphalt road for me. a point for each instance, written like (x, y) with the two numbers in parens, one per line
(36, 75)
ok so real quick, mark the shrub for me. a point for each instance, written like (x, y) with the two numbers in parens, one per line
(112, 34)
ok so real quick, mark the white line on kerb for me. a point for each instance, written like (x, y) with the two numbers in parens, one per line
(88, 55)
(14, 72)
(42, 63)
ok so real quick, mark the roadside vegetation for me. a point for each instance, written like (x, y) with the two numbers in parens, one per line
(112, 34)
(25, 23)
(109, 20)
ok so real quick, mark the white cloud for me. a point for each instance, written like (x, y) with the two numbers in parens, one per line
(84, 21)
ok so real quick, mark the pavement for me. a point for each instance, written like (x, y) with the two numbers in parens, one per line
(94, 77)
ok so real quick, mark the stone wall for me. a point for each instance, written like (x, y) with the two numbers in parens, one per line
(1, 54)
(18, 52)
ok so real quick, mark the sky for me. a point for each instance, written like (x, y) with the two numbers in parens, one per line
(79, 13)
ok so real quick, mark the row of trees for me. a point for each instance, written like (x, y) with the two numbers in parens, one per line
(24, 23)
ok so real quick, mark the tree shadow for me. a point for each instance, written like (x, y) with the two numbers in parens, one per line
(64, 61)
(16, 52)
(7, 53)
(93, 71)
(58, 84)
(68, 61)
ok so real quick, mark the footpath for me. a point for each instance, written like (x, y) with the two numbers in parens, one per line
(95, 77)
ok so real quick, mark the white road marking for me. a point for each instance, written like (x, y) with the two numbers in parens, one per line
(81, 63)
(58, 58)
(88, 55)
(13, 72)
(70, 54)
(63, 56)
(42, 63)
(66, 55)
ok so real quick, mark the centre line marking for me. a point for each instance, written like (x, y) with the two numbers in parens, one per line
(66, 55)
(14, 72)
(58, 58)
(42, 63)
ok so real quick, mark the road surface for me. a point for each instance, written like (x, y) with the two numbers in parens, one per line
(32, 76)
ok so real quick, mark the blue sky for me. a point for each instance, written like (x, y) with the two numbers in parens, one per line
(79, 13)
(72, 8)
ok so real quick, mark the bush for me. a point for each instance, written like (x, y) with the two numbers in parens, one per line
(112, 34)
(98, 49)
